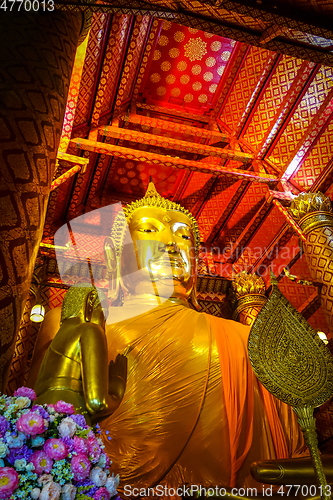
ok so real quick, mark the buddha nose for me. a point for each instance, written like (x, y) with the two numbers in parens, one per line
(170, 247)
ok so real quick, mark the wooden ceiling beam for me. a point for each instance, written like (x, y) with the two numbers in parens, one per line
(179, 128)
(179, 145)
(169, 161)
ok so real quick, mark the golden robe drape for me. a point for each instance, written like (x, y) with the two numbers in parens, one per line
(193, 410)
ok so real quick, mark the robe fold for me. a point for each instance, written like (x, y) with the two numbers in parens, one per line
(193, 411)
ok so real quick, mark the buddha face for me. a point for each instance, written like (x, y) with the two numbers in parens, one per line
(164, 249)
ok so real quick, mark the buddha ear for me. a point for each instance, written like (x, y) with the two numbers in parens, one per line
(112, 265)
(193, 297)
(110, 254)
(89, 306)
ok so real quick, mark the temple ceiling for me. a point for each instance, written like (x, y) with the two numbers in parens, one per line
(227, 107)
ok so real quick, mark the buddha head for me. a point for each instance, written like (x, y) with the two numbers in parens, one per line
(153, 250)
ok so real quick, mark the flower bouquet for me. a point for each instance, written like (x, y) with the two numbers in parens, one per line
(49, 453)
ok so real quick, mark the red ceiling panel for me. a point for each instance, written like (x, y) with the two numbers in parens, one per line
(186, 68)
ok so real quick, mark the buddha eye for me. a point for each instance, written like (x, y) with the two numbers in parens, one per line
(148, 230)
(186, 237)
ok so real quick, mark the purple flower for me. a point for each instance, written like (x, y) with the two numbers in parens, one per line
(25, 392)
(63, 407)
(19, 453)
(94, 450)
(80, 420)
(69, 442)
(89, 487)
(43, 413)
(80, 445)
(4, 425)
(102, 494)
(80, 466)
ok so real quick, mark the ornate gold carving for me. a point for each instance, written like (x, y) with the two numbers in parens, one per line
(307, 423)
(306, 203)
(195, 49)
(245, 284)
(312, 210)
(252, 301)
(288, 357)
(247, 294)
(294, 365)
(315, 220)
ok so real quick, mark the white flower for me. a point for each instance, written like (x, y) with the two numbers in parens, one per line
(34, 493)
(111, 484)
(23, 402)
(37, 441)
(30, 467)
(20, 464)
(51, 491)
(100, 442)
(68, 492)
(67, 427)
(3, 449)
(52, 418)
(44, 479)
(15, 441)
(98, 476)
(102, 461)
(2, 463)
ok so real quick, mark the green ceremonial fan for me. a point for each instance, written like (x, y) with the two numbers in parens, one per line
(294, 365)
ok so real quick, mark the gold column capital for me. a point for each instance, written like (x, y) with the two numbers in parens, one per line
(247, 297)
(312, 211)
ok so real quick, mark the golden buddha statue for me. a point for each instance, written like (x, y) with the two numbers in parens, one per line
(193, 411)
(75, 366)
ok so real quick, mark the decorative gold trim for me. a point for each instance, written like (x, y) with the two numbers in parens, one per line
(288, 356)
(315, 220)
(250, 300)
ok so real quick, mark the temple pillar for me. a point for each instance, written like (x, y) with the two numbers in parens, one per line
(313, 213)
(37, 54)
(247, 297)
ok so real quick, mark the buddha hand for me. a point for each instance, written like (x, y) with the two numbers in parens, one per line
(118, 376)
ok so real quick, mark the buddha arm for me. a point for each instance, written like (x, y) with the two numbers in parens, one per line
(94, 361)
